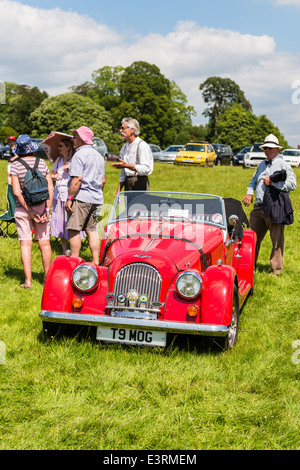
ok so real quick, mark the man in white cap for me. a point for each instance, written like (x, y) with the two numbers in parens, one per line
(87, 173)
(272, 172)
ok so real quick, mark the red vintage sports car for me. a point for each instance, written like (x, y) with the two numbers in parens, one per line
(177, 263)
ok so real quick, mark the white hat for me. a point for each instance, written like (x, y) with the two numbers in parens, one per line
(271, 141)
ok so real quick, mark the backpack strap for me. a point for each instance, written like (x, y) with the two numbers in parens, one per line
(35, 166)
(24, 163)
(36, 163)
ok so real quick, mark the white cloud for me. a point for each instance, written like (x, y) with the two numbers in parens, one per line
(54, 49)
(295, 3)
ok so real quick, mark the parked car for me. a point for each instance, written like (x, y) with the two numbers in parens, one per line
(292, 156)
(41, 151)
(170, 263)
(4, 151)
(111, 157)
(5, 154)
(255, 155)
(196, 153)
(169, 154)
(156, 151)
(224, 154)
(238, 159)
(100, 146)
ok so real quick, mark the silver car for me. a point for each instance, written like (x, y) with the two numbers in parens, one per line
(291, 156)
(156, 151)
(255, 155)
(100, 146)
(169, 154)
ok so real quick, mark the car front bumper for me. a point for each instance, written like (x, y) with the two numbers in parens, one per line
(201, 329)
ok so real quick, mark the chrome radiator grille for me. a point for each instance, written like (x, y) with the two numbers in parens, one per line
(141, 278)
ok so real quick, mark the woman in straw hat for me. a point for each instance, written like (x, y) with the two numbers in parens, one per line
(60, 174)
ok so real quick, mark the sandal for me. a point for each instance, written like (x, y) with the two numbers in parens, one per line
(24, 286)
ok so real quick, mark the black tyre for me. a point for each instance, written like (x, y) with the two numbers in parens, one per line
(52, 330)
(229, 341)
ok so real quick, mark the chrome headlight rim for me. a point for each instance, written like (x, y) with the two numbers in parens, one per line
(189, 273)
(90, 269)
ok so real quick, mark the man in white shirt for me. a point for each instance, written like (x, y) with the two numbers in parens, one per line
(136, 160)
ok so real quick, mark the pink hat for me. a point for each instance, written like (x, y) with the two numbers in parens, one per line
(85, 134)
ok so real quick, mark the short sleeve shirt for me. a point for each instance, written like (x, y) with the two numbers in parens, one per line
(88, 164)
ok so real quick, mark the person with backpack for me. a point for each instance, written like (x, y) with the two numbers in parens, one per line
(33, 189)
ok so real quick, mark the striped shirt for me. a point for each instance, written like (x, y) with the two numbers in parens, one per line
(19, 170)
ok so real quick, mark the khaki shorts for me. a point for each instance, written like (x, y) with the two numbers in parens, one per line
(82, 217)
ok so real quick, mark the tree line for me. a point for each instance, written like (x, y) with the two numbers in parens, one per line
(142, 91)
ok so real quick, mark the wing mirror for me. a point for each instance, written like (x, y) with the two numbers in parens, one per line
(233, 220)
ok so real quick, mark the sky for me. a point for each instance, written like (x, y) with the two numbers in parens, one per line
(57, 44)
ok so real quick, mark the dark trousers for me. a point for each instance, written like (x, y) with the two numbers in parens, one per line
(261, 223)
(137, 183)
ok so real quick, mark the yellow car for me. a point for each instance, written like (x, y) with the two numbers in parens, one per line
(196, 153)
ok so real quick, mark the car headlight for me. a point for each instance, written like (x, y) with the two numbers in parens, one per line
(189, 285)
(85, 277)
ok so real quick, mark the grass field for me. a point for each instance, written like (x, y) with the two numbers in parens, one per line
(75, 393)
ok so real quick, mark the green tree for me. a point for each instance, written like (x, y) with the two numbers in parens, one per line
(198, 132)
(263, 127)
(141, 91)
(146, 95)
(182, 116)
(69, 111)
(220, 94)
(236, 127)
(21, 102)
(5, 132)
(240, 128)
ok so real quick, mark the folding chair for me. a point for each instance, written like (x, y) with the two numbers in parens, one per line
(8, 218)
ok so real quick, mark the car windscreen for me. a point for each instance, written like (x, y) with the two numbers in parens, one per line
(291, 153)
(193, 148)
(173, 148)
(255, 148)
(186, 207)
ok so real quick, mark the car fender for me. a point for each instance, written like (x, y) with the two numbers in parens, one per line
(217, 294)
(244, 258)
(176, 307)
(57, 290)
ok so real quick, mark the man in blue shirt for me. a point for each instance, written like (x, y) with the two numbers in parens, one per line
(87, 173)
(264, 177)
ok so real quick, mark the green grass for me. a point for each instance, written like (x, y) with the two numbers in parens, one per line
(75, 393)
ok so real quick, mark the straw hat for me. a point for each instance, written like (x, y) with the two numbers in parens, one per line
(50, 144)
(271, 141)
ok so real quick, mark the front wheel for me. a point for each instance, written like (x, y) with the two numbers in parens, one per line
(52, 330)
(229, 341)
